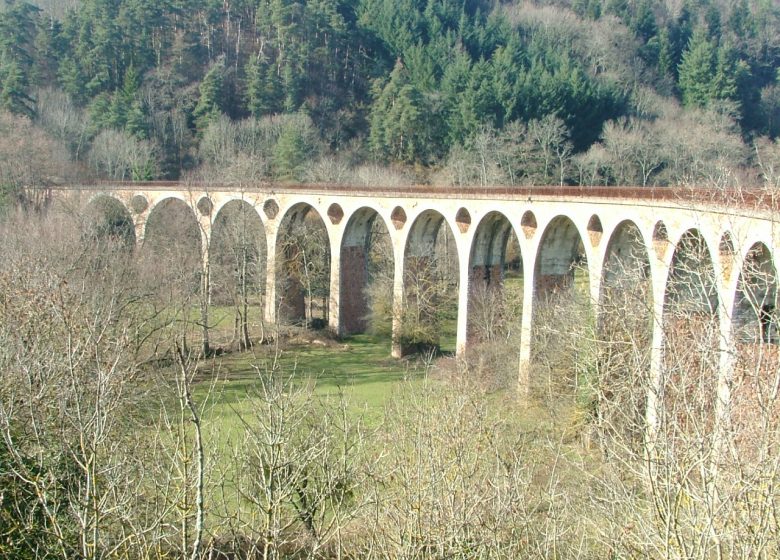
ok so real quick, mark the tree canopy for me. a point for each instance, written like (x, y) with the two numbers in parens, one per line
(393, 81)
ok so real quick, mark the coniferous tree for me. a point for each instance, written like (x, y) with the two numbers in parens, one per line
(697, 70)
(665, 53)
(211, 91)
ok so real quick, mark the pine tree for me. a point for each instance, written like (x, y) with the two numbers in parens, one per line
(136, 121)
(255, 89)
(13, 88)
(665, 53)
(209, 104)
(398, 120)
(697, 70)
(643, 23)
(71, 80)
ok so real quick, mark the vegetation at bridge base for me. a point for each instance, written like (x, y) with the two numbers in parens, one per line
(451, 92)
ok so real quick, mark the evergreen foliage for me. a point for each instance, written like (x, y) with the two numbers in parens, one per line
(410, 80)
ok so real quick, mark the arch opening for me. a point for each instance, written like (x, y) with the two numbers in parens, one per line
(692, 338)
(429, 311)
(563, 319)
(463, 220)
(495, 280)
(726, 251)
(366, 296)
(660, 238)
(107, 221)
(755, 315)
(238, 269)
(335, 214)
(303, 268)
(171, 256)
(755, 323)
(398, 217)
(625, 330)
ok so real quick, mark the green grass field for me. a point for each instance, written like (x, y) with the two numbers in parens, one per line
(359, 366)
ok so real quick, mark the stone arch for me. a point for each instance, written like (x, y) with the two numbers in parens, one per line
(626, 261)
(366, 257)
(303, 267)
(691, 286)
(692, 331)
(495, 268)
(107, 219)
(625, 324)
(172, 244)
(562, 312)
(755, 313)
(237, 256)
(431, 277)
(561, 255)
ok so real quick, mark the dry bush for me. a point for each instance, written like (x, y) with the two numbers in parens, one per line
(699, 481)
(457, 479)
(302, 471)
(30, 161)
(381, 177)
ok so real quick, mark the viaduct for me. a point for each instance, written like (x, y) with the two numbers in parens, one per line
(660, 236)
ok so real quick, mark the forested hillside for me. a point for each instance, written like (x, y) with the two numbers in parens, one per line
(447, 91)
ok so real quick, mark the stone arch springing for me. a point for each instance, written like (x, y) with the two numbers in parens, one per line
(495, 280)
(431, 276)
(755, 314)
(625, 330)
(366, 283)
(107, 220)
(692, 332)
(237, 256)
(563, 319)
(303, 267)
